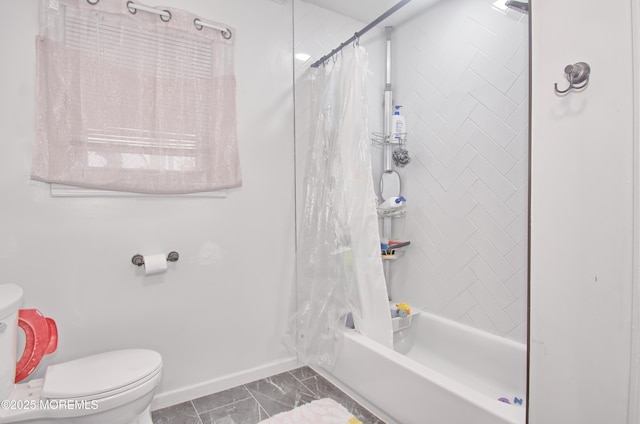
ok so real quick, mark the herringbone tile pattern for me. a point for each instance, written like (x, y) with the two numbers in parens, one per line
(460, 69)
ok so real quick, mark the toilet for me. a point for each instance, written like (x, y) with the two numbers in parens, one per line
(108, 388)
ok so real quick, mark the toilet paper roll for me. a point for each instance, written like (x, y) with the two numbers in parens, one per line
(155, 264)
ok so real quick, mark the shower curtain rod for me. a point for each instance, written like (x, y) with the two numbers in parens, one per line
(360, 33)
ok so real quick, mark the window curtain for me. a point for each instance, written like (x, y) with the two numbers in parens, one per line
(134, 101)
(340, 273)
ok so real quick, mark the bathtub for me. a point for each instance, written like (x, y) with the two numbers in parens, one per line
(439, 372)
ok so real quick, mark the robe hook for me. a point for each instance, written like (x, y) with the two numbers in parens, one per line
(577, 75)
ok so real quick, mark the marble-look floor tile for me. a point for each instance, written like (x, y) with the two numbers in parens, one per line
(279, 393)
(303, 373)
(216, 400)
(259, 400)
(182, 413)
(246, 411)
(323, 388)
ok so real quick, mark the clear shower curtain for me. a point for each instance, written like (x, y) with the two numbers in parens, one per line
(339, 265)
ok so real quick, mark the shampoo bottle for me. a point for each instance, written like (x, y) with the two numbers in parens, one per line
(398, 125)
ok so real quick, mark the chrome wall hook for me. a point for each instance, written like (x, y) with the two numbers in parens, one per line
(577, 75)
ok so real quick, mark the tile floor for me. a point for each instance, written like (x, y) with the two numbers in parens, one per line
(259, 400)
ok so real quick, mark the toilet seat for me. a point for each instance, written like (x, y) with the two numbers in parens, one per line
(41, 336)
(102, 375)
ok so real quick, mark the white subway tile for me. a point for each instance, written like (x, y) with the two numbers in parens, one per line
(450, 289)
(459, 307)
(493, 72)
(491, 255)
(492, 152)
(492, 204)
(492, 309)
(519, 119)
(492, 125)
(492, 230)
(493, 179)
(491, 281)
(493, 99)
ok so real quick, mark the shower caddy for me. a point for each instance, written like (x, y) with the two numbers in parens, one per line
(391, 142)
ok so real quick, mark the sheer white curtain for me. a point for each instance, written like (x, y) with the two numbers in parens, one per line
(339, 265)
(134, 101)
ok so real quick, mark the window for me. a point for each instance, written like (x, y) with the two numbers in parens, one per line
(137, 102)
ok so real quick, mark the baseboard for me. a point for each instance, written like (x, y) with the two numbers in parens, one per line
(163, 400)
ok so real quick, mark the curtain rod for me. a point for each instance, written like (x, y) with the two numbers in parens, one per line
(166, 16)
(360, 33)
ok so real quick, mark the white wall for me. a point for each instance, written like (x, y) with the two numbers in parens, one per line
(461, 71)
(218, 316)
(581, 215)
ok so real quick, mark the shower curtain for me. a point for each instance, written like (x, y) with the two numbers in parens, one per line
(340, 275)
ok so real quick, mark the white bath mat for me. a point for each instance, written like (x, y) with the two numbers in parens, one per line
(323, 411)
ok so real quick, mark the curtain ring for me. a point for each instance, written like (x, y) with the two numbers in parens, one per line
(93, 3)
(163, 19)
(226, 33)
(132, 10)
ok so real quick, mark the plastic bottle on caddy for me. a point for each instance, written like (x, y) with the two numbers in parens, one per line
(398, 125)
(393, 203)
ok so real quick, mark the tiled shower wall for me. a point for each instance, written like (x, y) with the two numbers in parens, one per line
(460, 69)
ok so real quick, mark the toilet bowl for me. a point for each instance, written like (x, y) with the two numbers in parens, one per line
(112, 388)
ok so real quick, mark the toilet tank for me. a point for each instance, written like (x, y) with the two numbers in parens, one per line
(10, 301)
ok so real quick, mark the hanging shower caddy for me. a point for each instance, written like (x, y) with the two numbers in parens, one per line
(391, 142)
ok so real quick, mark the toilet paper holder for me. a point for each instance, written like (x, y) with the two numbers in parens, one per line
(138, 259)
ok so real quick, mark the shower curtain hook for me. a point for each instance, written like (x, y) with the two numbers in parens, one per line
(132, 9)
(167, 19)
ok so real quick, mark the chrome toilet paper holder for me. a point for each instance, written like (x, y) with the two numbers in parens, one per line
(138, 259)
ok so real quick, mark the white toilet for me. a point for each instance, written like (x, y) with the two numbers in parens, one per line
(111, 388)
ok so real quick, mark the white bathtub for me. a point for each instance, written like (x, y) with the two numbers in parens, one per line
(447, 373)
